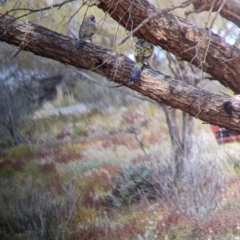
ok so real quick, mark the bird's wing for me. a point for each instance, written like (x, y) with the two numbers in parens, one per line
(135, 73)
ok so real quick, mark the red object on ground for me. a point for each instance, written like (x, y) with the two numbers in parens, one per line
(223, 135)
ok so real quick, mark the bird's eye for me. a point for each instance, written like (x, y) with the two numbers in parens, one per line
(93, 19)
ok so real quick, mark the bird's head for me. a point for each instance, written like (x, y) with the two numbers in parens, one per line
(91, 18)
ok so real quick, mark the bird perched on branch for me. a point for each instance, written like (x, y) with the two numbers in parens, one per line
(232, 107)
(143, 52)
(86, 31)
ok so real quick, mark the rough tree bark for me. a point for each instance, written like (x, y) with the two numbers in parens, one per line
(199, 46)
(230, 10)
(155, 85)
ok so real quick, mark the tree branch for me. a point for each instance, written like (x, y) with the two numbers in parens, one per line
(200, 47)
(159, 12)
(230, 11)
(117, 68)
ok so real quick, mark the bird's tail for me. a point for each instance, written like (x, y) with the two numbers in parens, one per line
(135, 73)
(78, 43)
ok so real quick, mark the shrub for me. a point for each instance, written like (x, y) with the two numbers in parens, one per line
(36, 215)
(196, 193)
(78, 131)
(18, 151)
(34, 203)
(6, 170)
(134, 183)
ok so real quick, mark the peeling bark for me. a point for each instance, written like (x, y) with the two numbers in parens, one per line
(117, 68)
(199, 46)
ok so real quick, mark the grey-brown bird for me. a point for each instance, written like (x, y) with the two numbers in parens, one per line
(86, 31)
(143, 52)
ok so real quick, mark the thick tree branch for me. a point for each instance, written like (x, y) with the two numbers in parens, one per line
(230, 11)
(198, 46)
(159, 12)
(163, 89)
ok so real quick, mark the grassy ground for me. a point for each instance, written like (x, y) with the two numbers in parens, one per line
(104, 175)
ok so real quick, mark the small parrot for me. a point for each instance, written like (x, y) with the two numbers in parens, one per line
(143, 52)
(232, 107)
(86, 31)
